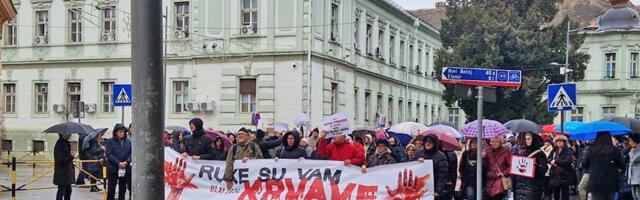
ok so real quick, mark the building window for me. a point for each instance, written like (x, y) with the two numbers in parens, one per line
(379, 104)
(400, 111)
(390, 109)
(356, 104)
(418, 70)
(380, 49)
(334, 98)
(611, 65)
(180, 96)
(249, 16)
(335, 19)
(369, 39)
(182, 19)
(42, 27)
(9, 90)
(356, 34)
(454, 116)
(392, 49)
(367, 106)
(608, 112)
(402, 57)
(109, 23)
(417, 112)
(11, 33)
(634, 65)
(74, 94)
(247, 95)
(409, 111)
(42, 97)
(433, 113)
(107, 92)
(426, 113)
(577, 114)
(411, 63)
(75, 25)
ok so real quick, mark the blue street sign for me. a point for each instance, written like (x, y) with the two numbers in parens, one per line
(561, 96)
(122, 95)
(482, 77)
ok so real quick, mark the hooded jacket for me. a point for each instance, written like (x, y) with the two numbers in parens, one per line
(397, 150)
(199, 144)
(118, 150)
(286, 151)
(341, 152)
(384, 158)
(439, 161)
(237, 152)
(266, 143)
(531, 188)
(177, 144)
(221, 154)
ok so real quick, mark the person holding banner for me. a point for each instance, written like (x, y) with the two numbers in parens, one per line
(290, 148)
(409, 153)
(382, 156)
(633, 170)
(531, 188)
(339, 150)
(242, 150)
(431, 151)
(198, 145)
(562, 172)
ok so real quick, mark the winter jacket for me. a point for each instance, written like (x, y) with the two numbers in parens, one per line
(94, 152)
(221, 153)
(381, 159)
(440, 168)
(237, 152)
(118, 151)
(199, 144)
(308, 149)
(526, 188)
(452, 159)
(467, 170)
(603, 168)
(178, 145)
(498, 162)
(562, 173)
(397, 150)
(290, 152)
(266, 144)
(341, 152)
(63, 174)
(633, 172)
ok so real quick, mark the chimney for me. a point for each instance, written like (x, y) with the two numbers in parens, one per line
(619, 3)
(441, 5)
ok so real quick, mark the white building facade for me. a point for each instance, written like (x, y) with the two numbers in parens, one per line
(226, 59)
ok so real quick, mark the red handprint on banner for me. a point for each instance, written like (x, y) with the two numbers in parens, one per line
(174, 176)
(409, 187)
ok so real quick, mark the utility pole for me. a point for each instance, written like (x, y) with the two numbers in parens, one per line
(480, 117)
(565, 70)
(148, 110)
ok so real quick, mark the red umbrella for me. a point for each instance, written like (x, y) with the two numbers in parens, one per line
(213, 134)
(550, 129)
(448, 141)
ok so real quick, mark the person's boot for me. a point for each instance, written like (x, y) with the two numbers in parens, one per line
(95, 189)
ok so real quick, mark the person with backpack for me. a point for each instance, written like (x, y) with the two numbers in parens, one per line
(242, 150)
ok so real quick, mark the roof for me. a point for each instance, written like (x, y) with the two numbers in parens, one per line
(617, 18)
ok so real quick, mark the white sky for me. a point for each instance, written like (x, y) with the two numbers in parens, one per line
(418, 4)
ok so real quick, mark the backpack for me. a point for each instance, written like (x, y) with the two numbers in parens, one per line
(253, 146)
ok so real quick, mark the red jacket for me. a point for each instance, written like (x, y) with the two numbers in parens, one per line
(341, 152)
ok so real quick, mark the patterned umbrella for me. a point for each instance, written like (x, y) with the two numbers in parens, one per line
(491, 129)
(449, 124)
(447, 129)
(409, 128)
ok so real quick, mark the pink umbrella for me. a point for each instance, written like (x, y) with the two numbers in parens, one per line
(447, 140)
(214, 134)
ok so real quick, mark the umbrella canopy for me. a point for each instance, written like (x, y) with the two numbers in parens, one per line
(570, 127)
(447, 129)
(69, 128)
(448, 141)
(92, 136)
(490, 128)
(589, 131)
(449, 124)
(551, 128)
(628, 122)
(185, 131)
(404, 139)
(409, 128)
(362, 131)
(523, 126)
(214, 134)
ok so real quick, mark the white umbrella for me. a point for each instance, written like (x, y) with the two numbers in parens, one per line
(409, 128)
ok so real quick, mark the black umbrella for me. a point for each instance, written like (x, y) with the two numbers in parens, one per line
(630, 123)
(69, 127)
(523, 126)
(444, 123)
(91, 136)
(361, 132)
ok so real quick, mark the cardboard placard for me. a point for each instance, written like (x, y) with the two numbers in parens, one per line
(337, 124)
(523, 166)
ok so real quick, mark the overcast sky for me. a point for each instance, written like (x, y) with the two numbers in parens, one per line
(417, 4)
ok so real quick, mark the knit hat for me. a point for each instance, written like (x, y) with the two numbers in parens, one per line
(560, 138)
(368, 136)
(383, 141)
(243, 130)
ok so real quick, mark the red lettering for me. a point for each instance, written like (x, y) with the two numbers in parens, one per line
(250, 191)
(346, 193)
(271, 192)
(316, 191)
(366, 192)
(292, 193)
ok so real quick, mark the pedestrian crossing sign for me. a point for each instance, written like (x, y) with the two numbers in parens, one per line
(122, 95)
(561, 97)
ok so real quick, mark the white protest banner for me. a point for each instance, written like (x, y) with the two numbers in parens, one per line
(523, 166)
(337, 124)
(280, 127)
(301, 120)
(294, 179)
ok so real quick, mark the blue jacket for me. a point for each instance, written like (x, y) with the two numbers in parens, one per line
(117, 152)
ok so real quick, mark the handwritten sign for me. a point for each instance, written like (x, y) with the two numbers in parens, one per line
(523, 166)
(281, 127)
(337, 124)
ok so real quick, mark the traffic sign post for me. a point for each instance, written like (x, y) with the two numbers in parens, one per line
(122, 97)
(561, 97)
(481, 78)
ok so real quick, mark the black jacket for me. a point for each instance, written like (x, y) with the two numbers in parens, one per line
(63, 173)
(199, 144)
(467, 170)
(563, 172)
(221, 153)
(291, 152)
(266, 144)
(452, 159)
(94, 152)
(603, 168)
(531, 188)
(440, 168)
(397, 150)
(118, 151)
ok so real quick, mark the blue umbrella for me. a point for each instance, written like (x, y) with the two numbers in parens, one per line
(571, 126)
(589, 131)
(404, 139)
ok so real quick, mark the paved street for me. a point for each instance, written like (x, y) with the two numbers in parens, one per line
(24, 175)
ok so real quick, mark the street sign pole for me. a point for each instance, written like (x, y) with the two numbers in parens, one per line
(479, 144)
(122, 119)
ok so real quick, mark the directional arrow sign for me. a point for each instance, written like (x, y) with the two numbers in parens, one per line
(482, 77)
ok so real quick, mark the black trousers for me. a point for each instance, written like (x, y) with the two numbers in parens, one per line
(561, 193)
(64, 192)
(112, 181)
